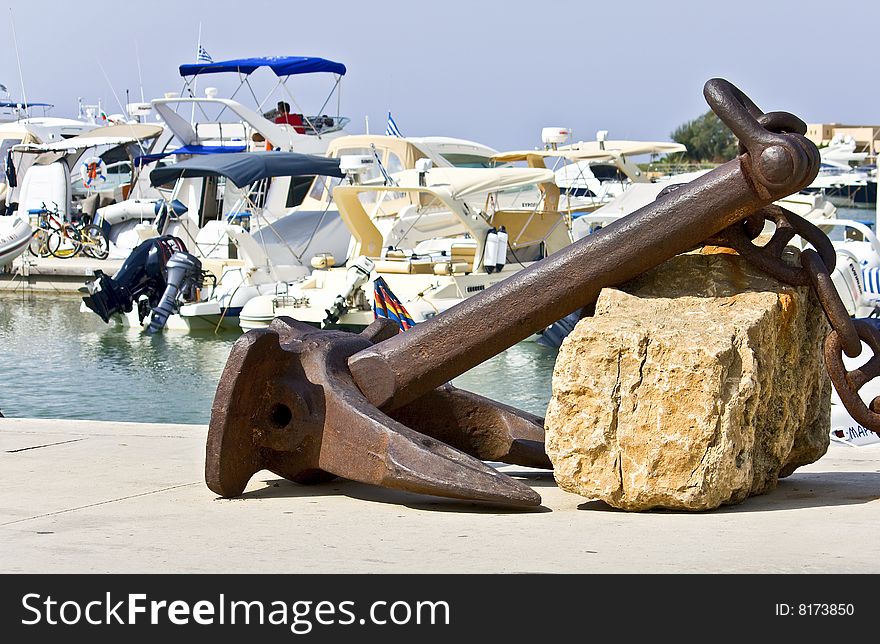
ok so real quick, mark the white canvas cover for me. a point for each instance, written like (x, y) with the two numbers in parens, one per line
(625, 148)
(110, 135)
(463, 182)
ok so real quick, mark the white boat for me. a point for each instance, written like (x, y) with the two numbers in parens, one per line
(29, 130)
(845, 178)
(15, 236)
(813, 207)
(259, 247)
(52, 167)
(210, 121)
(431, 248)
(590, 174)
(392, 155)
(207, 125)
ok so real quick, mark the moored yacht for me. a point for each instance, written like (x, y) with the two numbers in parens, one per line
(259, 247)
(417, 242)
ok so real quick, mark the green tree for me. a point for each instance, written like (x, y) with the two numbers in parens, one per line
(707, 139)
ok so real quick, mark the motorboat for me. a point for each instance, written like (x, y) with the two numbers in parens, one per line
(207, 125)
(15, 237)
(203, 121)
(845, 177)
(589, 174)
(393, 154)
(55, 168)
(29, 130)
(811, 206)
(232, 250)
(418, 239)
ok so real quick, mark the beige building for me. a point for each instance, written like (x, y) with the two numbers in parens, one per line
(867, 137)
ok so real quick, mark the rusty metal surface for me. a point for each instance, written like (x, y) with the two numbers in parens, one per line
(286, 403)
(848, 383)
(309, 404)
(485, 428)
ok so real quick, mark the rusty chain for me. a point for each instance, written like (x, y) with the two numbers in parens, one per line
(847, 334)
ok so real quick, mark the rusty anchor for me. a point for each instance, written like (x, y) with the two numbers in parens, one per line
(376, 407)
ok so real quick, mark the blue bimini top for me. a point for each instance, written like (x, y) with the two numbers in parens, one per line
(280, 65)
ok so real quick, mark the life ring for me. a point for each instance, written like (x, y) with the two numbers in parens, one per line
(93, 171)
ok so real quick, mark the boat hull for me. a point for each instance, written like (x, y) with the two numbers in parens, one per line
(15, 236)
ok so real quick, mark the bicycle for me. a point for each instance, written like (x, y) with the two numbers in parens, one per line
(52, 235)
(94, 241)
(58, 238)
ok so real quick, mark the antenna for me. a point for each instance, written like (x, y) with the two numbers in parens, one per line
(115, 95)
(18, 58)
(192, 116)
(137, 55)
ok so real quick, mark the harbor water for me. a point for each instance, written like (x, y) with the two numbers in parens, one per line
(57, 362)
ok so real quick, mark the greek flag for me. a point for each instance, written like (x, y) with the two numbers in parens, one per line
(204, 56)
(391, 128)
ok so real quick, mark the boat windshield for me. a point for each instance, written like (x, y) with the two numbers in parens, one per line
(468, 160)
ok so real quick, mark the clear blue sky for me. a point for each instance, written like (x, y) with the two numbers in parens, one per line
(492, 71)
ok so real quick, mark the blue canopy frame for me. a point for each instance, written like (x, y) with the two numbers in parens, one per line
(190, 149)
(23, 104)
(280, 65)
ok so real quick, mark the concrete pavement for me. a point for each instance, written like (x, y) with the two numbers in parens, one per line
(87, 496)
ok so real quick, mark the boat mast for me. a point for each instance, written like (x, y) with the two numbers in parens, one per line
(18, 58)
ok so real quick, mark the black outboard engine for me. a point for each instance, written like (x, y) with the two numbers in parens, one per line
(147, 276)
(183, 277)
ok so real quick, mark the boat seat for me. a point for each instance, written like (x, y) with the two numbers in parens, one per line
(217, 266)
(393, 265)
(463, 252)
(400, 264)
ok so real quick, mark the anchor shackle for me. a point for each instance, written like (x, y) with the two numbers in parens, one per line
(778, 157)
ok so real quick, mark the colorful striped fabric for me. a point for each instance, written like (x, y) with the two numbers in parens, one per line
(386, 305)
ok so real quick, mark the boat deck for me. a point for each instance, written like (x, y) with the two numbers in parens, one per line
(85, 496)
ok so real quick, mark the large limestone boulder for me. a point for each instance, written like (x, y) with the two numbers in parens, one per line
(696, 385)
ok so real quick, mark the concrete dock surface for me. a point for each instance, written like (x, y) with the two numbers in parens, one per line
(53, 275)
(87, 496)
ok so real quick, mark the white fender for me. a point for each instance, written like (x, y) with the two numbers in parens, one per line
(490, 251)
(501, 255)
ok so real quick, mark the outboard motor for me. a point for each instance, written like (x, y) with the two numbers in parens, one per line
(183, 277)
(143, 278)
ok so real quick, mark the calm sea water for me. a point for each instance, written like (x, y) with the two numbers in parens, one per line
(56, 362)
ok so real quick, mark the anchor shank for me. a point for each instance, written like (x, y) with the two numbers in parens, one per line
(399, 370)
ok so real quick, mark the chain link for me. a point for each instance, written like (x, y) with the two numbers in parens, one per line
(846, 334)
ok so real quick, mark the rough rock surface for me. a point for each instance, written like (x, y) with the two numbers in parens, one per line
(695, 385)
